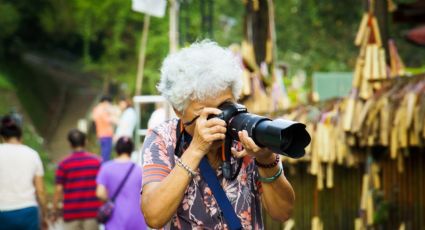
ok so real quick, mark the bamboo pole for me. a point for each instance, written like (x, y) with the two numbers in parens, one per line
(174, 22)
(142, 55)
(272, 29)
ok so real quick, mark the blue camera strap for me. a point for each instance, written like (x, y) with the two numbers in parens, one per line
(208, 174)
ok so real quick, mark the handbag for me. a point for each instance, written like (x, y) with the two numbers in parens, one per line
(105, 211)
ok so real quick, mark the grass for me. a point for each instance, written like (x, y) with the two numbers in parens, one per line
(418, 70)
(4, 83)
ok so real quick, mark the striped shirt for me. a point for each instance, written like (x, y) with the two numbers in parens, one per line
(77, 174)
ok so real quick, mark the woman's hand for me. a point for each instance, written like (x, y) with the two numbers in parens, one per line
(208, 131)
(250, 148)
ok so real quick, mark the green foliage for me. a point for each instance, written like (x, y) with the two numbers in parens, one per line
(57, 19)
(105, 34)
(4, 82)
(36, 97)
(9, 20)
(317, 35)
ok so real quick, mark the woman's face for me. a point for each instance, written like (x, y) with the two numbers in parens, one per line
(194, 108)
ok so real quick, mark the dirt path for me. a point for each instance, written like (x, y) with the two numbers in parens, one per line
(77, 105)
(76, 100)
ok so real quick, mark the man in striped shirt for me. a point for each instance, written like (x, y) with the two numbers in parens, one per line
(76, 185)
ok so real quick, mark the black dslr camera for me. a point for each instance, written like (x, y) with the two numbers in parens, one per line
(284, 137)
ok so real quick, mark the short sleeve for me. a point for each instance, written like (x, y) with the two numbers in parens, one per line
(156, 161)
(39, 171)
(102, 177)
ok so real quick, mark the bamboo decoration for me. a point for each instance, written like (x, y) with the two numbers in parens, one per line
(370, 64)
(362, 29)
(370, 68)
(358, 225)
(375, 62)
(330, 176)
(397, 65)
(382, 64)
(376, 32)
(248, 55)
(246, 87)
(369, 208)
(349, 111)
(394, 119)
(316, 223)
(259, 100)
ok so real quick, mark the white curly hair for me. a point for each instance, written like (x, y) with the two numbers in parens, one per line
(198, 72)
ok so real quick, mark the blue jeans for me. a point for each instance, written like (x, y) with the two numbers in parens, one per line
(105, 148)
(20, 219)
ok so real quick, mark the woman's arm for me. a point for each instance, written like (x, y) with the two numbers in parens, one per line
(101, 192)
(57, 198)
(39, 189)
(278, 197)
(160, 200)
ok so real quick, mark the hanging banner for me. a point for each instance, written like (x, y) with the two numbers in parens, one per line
(152, 7)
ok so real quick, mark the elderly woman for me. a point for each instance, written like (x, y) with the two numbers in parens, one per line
(196, 80)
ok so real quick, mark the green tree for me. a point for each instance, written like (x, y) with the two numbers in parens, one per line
(9, 22)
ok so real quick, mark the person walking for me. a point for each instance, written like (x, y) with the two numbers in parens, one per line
(76, 186)
(21, 181)
(127, 121)
(104, 118)
(113, 174)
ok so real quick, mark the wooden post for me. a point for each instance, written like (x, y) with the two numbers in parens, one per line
(272, 28)
(142, 55)
(381, 13)
(174, 22)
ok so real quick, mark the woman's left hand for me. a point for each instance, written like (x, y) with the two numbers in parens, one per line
(250, 148)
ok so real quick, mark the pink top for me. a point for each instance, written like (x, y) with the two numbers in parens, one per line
(102, 116)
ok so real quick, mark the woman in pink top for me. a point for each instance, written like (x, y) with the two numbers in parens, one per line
(103, 117)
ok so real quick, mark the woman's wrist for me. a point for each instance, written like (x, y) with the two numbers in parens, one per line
(195, 153)
(190, 160)
(187, 168)
(272, 178)
(269, 161)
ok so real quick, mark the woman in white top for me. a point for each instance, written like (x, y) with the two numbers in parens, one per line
(127, 121)
(21, 181)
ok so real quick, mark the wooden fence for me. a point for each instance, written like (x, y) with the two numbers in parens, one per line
(403, 196)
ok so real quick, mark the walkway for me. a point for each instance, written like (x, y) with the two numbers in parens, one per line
(76, 99)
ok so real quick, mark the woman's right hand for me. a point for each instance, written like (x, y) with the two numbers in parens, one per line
(208, 132)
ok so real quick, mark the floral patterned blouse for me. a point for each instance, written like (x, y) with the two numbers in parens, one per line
(199, 209)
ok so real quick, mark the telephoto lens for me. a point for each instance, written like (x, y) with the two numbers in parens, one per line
(284, 137)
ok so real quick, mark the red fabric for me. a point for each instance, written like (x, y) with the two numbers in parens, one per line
(77, 174)
(417, 35)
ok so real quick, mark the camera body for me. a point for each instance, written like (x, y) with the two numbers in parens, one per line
(284, 137)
